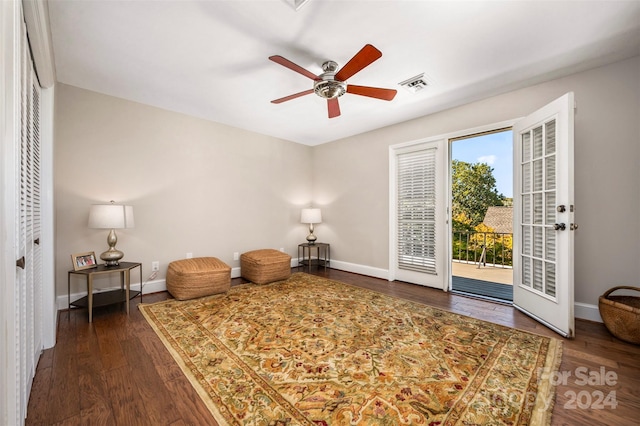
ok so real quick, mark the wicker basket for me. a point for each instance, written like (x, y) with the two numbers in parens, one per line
(621, 314)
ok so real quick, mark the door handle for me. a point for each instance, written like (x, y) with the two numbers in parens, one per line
(21, 262)
(559, 226)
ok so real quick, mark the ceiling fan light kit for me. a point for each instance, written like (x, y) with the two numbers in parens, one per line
(332, 84)
(328, 87)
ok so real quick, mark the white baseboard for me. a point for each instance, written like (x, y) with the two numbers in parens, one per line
(581, 310)
(360, 269)
(587, 312)
(149, 287)
(235, 272)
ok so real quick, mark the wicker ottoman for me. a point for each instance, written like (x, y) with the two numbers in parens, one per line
(198, 277)
(265, 266)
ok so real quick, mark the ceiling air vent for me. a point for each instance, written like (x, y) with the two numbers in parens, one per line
(415, 84)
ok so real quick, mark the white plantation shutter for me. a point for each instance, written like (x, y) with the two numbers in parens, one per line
(538, 197)
(416, 206)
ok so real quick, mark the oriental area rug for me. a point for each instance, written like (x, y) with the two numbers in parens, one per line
(312, 351)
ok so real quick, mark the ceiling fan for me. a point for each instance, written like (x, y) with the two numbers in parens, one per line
(332, 84)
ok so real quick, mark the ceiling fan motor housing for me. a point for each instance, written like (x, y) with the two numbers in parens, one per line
(328, 87)
(332, 84)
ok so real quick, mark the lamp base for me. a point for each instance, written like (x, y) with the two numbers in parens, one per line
(112, 257)
(311, 238)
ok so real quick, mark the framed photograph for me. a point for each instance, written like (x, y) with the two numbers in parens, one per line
(84, 261)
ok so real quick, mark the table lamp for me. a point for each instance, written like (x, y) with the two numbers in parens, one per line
(111, 216)
(311, 216)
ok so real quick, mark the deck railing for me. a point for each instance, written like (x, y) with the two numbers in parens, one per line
(483, 248)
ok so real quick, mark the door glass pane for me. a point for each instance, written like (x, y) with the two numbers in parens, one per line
(537, 241)
(537, 274)
(526, 209)
(550, 135)
(526, 147)
(537, 175)
(526, 240)
(550, 173)
(537, 142)
(526, 271)
(550, 279)
(537, 209)
(526, 178)
(550, 208)
(550, 244)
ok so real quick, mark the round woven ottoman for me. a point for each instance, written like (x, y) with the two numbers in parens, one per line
(265, 266)
(198, 277)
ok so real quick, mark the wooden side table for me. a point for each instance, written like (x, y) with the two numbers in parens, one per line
(305, 259)
(124, 294)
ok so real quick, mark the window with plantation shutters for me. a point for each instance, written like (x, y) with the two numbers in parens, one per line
(416, 206)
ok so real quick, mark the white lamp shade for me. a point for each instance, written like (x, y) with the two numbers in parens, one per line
(311, 216)
(110, 216)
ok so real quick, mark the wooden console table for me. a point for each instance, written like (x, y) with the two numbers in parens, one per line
(124, 294)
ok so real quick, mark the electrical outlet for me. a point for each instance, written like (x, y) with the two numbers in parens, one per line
(155, 266)
(236, 256)
(189, 255)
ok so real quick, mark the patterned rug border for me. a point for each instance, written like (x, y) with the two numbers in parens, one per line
(545, 397)
(183, 366)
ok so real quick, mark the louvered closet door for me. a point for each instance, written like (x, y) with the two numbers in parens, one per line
(29, 278)
(419, 211)
(543, 235)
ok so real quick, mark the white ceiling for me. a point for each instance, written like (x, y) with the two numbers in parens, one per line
(209, 59)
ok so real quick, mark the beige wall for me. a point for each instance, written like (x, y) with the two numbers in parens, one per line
(196, 186)
(210, 189)
(351, 180)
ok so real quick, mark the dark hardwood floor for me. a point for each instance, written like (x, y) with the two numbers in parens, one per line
(116, 371)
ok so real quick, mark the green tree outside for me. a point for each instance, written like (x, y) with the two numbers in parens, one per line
(474, 190)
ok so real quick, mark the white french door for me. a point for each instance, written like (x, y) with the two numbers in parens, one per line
(418, 216)
(544, 215)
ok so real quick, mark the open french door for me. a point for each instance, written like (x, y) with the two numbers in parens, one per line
(418, 216)
(544, 215)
